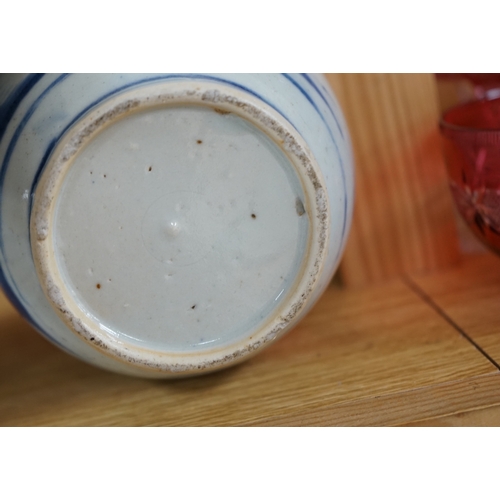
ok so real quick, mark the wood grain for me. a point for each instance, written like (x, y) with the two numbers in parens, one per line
(376, 356)
(394, 409)
(470, 296)
(403, 217)
(484, 417)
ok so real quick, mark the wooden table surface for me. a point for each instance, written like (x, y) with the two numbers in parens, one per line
(419, 350)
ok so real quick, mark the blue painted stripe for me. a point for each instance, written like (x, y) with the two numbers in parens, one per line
(18, 132)
(311, 82)
(38, 173)
(8, 108)
(308, 97)
(8, 285)
(8, 155)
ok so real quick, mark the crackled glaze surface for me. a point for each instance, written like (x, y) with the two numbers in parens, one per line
(178, 222)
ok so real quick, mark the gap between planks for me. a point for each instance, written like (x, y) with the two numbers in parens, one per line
(419, 406)
(428, 300)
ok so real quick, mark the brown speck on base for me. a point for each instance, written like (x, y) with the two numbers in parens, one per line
(98, 286)
(221, 111)
(192, 307)
(199, 141)
(254, 216)
(105, 176)
(150, 168)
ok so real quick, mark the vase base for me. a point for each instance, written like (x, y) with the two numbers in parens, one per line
(175, 228)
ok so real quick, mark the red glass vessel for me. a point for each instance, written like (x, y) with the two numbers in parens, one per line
(471, 141)
(486, 85)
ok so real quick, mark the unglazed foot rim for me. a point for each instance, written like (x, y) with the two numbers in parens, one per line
(222, 99)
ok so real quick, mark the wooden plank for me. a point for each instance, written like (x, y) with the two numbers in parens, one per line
(379, 355)
(484, 417)
(470, 296)
(400, 408)
(403, 217)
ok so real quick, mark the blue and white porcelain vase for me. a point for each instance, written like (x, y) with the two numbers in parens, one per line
(170, 224)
